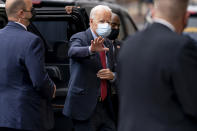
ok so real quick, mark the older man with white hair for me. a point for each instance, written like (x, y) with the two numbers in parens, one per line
(88, 100)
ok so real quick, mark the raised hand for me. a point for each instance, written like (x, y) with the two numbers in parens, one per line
(97, 45)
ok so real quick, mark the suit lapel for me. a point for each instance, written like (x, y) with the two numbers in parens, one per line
(107, 52)
(89, 36)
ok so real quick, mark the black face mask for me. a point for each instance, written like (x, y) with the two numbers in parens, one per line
(33, 12)
(114, 34)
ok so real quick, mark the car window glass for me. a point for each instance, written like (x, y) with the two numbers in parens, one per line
(129, 25)
(52, 30)
(56, 39)
(121, 34)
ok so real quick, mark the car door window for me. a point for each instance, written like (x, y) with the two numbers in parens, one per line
(56, 29)
(130, 28)
(122, 33)
(52, 30)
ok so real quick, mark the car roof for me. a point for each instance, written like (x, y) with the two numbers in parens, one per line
(75, 0)
(110, 3)
(113, 5)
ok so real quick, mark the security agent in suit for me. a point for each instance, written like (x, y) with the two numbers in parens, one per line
(25, 88)
(84, 103)
(158, 74)
(115, 29)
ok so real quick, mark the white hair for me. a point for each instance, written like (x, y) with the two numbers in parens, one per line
(99, 8)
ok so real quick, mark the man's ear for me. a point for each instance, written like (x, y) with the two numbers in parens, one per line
(91, 21)
(20, 13)
(187, 15)
(152, 12)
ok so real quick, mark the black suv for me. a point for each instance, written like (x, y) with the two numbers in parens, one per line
(55, 26)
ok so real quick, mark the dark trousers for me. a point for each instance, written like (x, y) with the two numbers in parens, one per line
(115, 102)
(9, 129)
(99, 121)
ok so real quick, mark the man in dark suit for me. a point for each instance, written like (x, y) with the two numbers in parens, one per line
(88, 101)
(25, 87)
(158, 71)
(115, 30)
(115, 26)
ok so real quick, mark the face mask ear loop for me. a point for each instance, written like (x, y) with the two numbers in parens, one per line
(19, 20)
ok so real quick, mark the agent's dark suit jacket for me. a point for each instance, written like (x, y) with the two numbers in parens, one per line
(84, 85)
(158, 81)
(25, 87)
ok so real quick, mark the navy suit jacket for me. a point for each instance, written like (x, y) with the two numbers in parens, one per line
(25, 87)
(84, 85)
(158, 81)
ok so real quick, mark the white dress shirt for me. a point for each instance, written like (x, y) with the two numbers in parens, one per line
(21, 25)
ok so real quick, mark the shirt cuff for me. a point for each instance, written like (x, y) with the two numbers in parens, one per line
(115, 75)
(91, 53)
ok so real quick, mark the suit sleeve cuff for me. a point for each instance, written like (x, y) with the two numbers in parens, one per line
(91, 53)
(115, 75)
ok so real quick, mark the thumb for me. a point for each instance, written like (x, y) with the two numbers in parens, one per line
(105, 49)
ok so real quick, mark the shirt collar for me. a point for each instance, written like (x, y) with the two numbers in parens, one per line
(93, 34)
(21, 25)
(164, 22)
